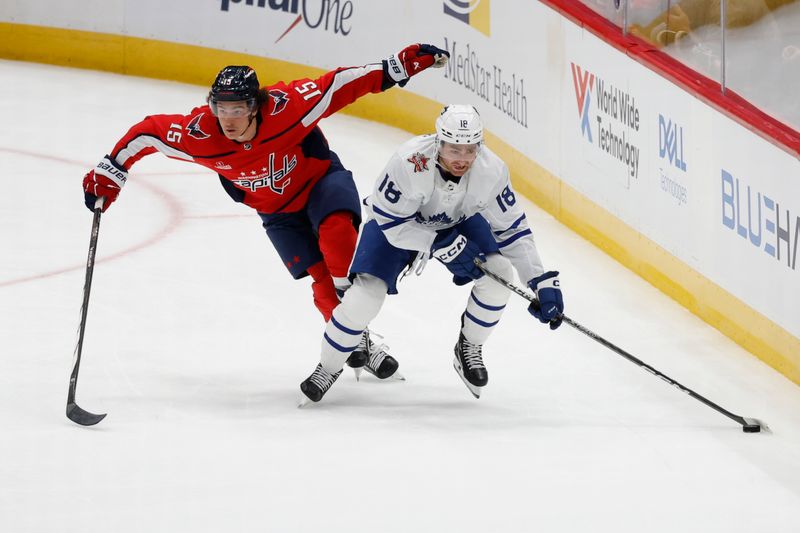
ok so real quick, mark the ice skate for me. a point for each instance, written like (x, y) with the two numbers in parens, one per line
(468, 362)
(317, 384)
(376, 361)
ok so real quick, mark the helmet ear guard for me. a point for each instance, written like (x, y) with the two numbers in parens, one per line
(459, 124)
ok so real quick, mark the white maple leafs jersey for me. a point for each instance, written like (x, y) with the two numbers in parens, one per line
(411, 202)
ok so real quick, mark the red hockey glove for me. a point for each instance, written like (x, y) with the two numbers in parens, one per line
(105, 180)
(412, 60)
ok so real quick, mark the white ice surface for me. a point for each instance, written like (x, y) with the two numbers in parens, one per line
(197, 340)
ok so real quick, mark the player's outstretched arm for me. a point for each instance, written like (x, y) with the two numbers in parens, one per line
(156, 133)
(412, 60)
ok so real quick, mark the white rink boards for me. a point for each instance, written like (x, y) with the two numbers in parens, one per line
(197, 340)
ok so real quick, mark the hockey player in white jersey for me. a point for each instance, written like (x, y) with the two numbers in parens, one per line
(443, 195)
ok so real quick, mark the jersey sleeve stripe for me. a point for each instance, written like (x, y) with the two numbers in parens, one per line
(341, 79)
(142, 142)
(517, 236)
(513, 226)
(390, 216)
(393, 224)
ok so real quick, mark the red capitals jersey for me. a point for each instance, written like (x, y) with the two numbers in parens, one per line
(278, 167)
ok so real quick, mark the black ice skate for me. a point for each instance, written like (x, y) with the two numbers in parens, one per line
(468, 363)
(317, 384)
(376, 361)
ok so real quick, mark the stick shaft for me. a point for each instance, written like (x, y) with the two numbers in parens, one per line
(616, 349)
(87, 288)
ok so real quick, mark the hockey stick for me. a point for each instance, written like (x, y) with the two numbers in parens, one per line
(74, 412)
(749, 425)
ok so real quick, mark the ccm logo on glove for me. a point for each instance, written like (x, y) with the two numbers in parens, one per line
(447, 254)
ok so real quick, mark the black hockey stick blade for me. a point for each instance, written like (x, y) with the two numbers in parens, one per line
(81, 416)
(754, 425)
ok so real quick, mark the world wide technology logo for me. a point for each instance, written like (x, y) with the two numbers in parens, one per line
(474, 13)
(617, 115)
(583, 80)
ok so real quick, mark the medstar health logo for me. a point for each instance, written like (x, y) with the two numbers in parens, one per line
(584, 84)
(472, 12)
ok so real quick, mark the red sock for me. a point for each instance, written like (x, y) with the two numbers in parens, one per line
(337, 242)
(322, 287)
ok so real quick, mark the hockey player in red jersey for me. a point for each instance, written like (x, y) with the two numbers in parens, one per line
(269, 153)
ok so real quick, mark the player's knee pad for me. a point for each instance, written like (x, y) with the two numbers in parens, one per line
(362, 301)
(499, 265)
(496, 264)
(487, 301)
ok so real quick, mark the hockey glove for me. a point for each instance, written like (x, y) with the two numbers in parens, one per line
(412, 60)
(547, 289)
(458, 255)
(105, 180)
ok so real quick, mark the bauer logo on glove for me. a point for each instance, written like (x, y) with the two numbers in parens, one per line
(412, 60)
(104, 181)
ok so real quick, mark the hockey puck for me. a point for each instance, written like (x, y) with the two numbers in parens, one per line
(751, 428)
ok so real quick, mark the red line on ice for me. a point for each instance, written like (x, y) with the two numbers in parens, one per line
(176, 217)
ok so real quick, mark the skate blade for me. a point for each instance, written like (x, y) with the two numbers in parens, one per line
(303, 401)
(357, 372)
(397, 376)
(476, 391)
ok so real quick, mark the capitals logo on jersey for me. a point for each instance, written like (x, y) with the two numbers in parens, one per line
(275, 179)
(194, 128)
(419, 161)
(280, 98)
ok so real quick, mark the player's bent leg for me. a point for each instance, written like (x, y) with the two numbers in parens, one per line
(485, 307)
(360, 304)
(337, 242)
(487, 301)
(343, 332)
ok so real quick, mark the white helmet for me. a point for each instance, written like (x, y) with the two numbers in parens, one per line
(459, 124)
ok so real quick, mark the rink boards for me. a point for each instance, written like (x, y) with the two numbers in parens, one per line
(690, 199)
